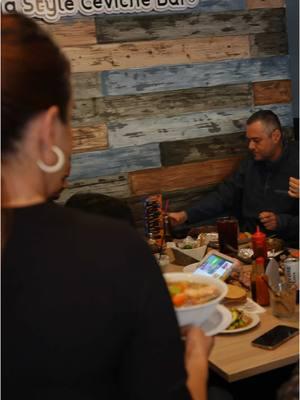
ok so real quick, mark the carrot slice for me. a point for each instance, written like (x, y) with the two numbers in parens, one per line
(179, 299)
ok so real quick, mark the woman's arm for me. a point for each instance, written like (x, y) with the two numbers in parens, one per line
(197, 349)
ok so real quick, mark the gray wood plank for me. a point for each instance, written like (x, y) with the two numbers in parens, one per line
(114, 161)
(180, 199)
(175, 102)
(269, 44)
(86, 85)
(186, 151)
(196, 24)
(116, 186)
(163, 78)
(83, 109)
(214, 147)
(126, 133)
(88, 112)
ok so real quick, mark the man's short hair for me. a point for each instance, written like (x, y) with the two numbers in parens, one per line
(269, 120)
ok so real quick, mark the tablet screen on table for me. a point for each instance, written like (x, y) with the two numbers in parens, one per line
(216, 265)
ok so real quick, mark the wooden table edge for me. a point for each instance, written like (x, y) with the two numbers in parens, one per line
(254, 370)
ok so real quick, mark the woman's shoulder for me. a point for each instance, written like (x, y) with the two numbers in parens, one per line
(85, 224)
(76, 236)
(114, 244)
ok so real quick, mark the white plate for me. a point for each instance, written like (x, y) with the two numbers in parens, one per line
(217, 322)
(255, 320)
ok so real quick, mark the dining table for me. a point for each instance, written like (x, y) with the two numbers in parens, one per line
(234, 357)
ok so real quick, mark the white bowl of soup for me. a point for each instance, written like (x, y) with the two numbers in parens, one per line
(195, 297)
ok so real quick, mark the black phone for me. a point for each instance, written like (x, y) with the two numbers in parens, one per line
(275, 337)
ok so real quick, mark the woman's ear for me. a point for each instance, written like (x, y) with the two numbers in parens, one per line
(49, 126)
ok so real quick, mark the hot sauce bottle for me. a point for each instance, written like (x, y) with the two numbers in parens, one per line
(259, 245)
(259, 287)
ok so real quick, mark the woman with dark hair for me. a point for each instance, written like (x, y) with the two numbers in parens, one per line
(82, 318)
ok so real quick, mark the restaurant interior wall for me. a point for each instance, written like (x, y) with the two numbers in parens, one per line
(160, 100)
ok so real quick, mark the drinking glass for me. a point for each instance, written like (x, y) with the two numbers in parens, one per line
(228, 235)
(283, 300)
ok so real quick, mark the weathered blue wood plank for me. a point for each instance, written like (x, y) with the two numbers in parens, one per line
(283, 111)
(220, 5)
(156, 79)
(115, 161)
(186, 126)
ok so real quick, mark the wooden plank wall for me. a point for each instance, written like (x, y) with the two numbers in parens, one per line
(160, 100)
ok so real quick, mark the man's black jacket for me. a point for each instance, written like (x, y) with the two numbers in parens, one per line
(255, 187)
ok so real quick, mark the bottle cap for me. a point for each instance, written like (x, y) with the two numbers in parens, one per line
(258, 234)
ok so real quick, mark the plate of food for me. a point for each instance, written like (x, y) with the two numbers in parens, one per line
(217, 321)
(241, 321)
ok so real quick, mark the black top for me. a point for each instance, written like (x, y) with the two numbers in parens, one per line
(257, 186)
(85, 312)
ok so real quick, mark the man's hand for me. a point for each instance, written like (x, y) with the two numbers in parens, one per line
(177, 218)
(269, 220)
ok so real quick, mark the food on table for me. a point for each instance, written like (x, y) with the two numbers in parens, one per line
(187, 246)
(274, 244)
(187, 243)
(208, 238)
(244, 235)
(235, 295)
(239, 319)
(295, 253)
(245, 253)
(186, 293)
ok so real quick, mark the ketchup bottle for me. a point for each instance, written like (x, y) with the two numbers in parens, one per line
(259, 245)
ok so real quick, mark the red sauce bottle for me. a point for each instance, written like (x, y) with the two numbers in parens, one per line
(259, 245)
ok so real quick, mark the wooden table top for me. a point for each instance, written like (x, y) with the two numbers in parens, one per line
(234, 358)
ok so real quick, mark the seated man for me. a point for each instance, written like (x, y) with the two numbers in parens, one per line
(258, 190)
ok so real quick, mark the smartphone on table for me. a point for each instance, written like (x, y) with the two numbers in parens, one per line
(275, 337)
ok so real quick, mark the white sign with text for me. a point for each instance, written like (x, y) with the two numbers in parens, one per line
(52, 10)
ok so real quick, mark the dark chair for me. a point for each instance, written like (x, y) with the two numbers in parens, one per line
(100, 204)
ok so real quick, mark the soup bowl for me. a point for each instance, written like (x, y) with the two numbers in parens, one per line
(197, 314)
